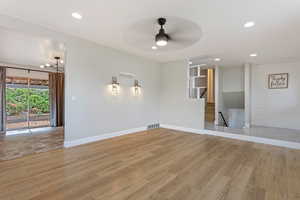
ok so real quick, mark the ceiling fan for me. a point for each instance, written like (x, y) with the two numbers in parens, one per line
(162, 37)
(162, 33)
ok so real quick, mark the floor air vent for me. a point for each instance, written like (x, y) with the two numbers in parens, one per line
(152, 126)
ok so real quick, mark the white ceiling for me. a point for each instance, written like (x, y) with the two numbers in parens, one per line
(275, 38)
(24, 49)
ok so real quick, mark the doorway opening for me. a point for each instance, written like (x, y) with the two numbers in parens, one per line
(207, 83)
(210, 98)
(201, 84)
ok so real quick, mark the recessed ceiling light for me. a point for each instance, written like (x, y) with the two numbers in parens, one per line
(48, 65)
(253, 55)
(190, 62)
(76, 15)
(154, 47)
(42, 66)
(249, 24)
(217, 59)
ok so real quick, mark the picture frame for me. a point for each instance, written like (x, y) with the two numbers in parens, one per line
(278, 81)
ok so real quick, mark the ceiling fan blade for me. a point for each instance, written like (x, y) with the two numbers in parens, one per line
(186, 39)
(175, 31)
(142, 34)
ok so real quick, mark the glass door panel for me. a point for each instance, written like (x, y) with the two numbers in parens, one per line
(16, 99)
(39, 108)
(27, 99)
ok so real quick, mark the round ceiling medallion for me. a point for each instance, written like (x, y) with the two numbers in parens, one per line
(182, 33)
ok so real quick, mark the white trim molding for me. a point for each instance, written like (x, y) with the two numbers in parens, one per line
(280, 143)
(180, 128)
(247, 89)
(96, 138)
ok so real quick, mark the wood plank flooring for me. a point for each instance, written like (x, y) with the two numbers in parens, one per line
(30, 142)
(159, 164)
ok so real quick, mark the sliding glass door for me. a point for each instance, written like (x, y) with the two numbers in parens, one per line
(39, 112)
(27, 99)
(16, 102)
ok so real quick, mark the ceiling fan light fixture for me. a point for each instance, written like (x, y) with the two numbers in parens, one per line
(161, 38)
(161, 43)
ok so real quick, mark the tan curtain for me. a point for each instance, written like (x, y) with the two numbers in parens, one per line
(56, 88)
(2, 99)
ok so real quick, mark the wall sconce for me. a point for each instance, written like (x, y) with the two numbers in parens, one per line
(115, 86)
(137, 87)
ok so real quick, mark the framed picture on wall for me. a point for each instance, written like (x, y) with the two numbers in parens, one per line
(278, 81)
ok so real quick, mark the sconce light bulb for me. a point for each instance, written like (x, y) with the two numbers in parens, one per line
(114, 86)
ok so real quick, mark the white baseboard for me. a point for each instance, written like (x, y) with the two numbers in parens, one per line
(280, 143)
(86, 140)
(180, 128)
(274, 142)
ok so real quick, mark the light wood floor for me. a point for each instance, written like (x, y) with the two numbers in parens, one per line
(30, 142)
(158, 164)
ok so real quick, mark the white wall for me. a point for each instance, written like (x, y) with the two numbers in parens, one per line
(175, 107)
(231, 95)
(275, 107)
(233, 79)
(233, 87)
(219, 94)
(95, 111)
(247, 75)
(89, 69)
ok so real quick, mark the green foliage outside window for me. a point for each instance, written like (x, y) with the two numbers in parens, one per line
(17, 98)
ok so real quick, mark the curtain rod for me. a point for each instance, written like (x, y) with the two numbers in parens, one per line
(23, 67)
